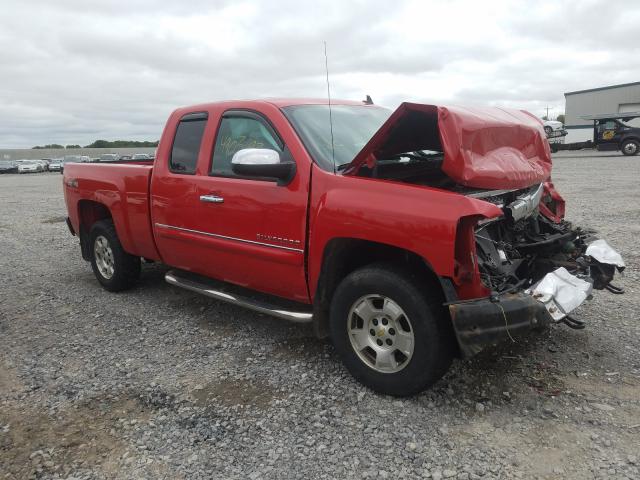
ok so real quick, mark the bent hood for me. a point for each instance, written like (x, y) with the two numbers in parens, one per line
(483, 147)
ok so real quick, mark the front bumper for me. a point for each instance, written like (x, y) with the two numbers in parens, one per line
(483, 322)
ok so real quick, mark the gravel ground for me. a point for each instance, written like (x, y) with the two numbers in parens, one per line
(158, 382)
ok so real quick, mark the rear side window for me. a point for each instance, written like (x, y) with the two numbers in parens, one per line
(186, 144)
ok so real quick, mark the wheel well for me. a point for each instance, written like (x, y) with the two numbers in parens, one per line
(345, 255)
(89, 212)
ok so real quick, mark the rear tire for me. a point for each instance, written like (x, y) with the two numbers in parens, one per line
(114, 268)
(390, 330)
(630, 147)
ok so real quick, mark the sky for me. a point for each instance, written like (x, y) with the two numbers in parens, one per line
(73, 71)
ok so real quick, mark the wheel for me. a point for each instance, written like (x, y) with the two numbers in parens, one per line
(390, 330)
(630, 147)
(114, 268)
(548, 130)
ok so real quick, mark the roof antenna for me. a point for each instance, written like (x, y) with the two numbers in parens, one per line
(368, 101)
(326, 67)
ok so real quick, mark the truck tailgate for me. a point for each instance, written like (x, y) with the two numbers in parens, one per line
(121, 188)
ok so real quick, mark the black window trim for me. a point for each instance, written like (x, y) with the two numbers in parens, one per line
(252, 114)
(188, 117)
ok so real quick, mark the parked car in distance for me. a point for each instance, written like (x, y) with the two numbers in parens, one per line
(409, 240)
(125, 157)
(109, 157)
(552, 125)
(30, 166)
(141, 156)
(74, 159)
(8, 166)
(55, 164)
(46, 162)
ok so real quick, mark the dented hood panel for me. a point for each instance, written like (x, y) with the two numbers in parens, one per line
(484, 147)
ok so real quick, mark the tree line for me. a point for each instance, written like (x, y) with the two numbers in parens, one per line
(102, 144)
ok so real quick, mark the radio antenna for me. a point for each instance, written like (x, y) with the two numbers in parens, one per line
(326, 68)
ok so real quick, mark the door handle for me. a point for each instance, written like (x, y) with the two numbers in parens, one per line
(211, 199)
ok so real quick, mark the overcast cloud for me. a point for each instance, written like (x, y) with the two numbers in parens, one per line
(73, 71)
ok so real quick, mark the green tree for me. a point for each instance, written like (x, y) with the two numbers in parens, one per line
(51, 145)
(98, 144)
(72, 146)
(560, 118)
(121, 144)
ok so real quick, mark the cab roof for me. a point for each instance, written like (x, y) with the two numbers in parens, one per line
(278, 102)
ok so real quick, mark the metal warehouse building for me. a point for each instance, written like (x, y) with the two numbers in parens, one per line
(613, 99)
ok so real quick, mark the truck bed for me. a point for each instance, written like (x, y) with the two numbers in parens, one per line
(121, 187)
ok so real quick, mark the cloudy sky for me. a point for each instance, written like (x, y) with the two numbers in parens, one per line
(73, 71)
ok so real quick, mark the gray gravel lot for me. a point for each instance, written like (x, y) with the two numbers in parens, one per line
(161, 383)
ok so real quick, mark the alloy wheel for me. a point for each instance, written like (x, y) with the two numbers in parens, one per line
(380, 333)
(103, 257)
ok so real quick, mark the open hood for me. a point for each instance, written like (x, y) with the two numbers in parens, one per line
(483, 147)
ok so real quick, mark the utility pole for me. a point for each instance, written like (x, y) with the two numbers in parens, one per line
(547, 112)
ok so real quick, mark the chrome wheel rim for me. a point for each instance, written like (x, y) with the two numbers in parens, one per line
(380, 333)
(104, 257)
(630, 148)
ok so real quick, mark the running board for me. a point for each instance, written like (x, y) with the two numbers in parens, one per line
(261, 306)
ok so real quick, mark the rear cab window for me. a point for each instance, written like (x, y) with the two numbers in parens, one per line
(187, 142)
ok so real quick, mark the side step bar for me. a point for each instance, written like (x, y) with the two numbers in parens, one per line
(175, 278)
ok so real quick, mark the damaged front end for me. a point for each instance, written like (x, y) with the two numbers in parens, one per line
(538, 268)
(523, 269)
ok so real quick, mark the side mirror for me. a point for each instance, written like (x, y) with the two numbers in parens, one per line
(264, 163)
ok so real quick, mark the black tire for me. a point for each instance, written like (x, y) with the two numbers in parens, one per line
(422, 304)
(126, 268)
(630, 147)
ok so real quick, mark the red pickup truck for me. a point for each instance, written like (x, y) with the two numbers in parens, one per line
(408, 237)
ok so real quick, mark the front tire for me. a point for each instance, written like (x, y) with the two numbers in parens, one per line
(630, 147)
(114, 268)
(389, 329)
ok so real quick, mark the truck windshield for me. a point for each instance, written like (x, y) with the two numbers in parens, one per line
(353, 126)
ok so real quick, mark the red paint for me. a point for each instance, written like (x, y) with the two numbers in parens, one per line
(316, 207)
(552, 203)
(492, 148)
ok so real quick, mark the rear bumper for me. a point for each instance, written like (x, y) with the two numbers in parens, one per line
(483, 322)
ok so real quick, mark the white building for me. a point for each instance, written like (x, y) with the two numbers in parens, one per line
(603, 100)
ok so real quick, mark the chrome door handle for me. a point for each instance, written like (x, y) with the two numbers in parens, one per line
(211, 199)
